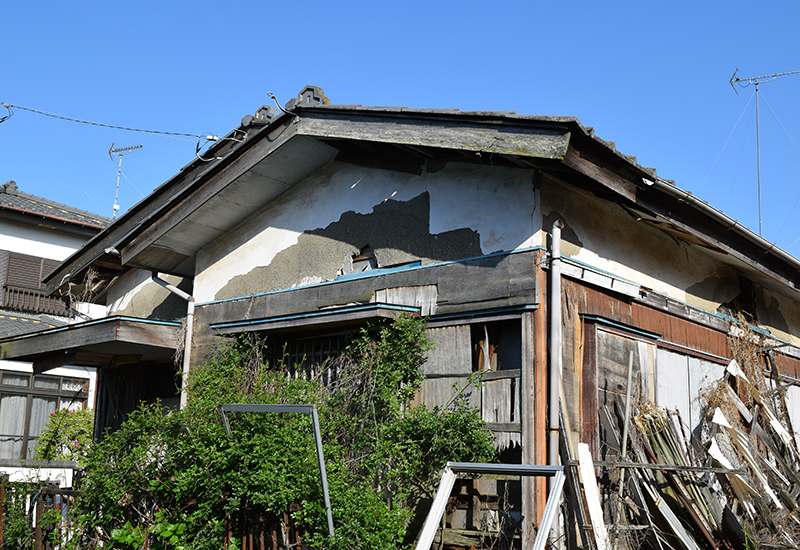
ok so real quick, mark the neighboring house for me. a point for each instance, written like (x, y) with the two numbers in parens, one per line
(306, 223)
(36, 235)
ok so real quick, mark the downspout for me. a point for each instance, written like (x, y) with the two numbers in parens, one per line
(187, 342)
(554, 355)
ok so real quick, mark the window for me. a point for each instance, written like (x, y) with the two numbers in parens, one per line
(26, 401)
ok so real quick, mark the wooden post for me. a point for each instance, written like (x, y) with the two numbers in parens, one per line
(38, 515)
(533, 401)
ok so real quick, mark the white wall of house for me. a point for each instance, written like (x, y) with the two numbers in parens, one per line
(36, 241)
(603, 235)
(498, 203)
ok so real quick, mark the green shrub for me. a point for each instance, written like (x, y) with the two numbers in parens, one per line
(182, 481)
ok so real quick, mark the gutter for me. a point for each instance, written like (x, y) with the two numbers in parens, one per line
(554, 357)
(726, 221)
(187, 342)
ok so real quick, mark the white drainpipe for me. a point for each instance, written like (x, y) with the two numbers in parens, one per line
(554, 378)
(187, 342)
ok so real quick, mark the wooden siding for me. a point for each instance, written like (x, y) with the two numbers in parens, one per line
(448, 368)
(787, 365)
(587, 300)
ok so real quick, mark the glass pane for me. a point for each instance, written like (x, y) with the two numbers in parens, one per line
(72, 404)
(41, 407)
(15, 379)
(10, 447)
(44, 383)
(73, 384)
(12, 414)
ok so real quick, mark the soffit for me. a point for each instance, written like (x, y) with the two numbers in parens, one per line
(222, 203)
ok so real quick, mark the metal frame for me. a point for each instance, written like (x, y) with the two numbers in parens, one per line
(301, 409)
(449, 478)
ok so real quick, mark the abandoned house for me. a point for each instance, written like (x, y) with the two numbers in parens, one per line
(531, 246)
(36, 235)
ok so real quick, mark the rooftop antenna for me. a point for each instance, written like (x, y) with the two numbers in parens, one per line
(120, 152)
(744, 83)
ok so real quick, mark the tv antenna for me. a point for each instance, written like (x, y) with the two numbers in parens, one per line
(120, 152)
(744, 83)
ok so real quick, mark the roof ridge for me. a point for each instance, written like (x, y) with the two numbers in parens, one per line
(11, 188)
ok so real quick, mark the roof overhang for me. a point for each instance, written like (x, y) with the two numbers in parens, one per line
(338, 318)
(241, 175)
(106, 342)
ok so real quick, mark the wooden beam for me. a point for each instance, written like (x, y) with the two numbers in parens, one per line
(540, 380)
(457, 135)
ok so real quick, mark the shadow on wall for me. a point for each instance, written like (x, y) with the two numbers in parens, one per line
(571, 245)
(397, 232)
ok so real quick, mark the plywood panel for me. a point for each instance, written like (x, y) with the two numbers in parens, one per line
(702, 374)
(672, 382)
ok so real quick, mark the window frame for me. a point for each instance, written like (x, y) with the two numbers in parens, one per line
(30, 392)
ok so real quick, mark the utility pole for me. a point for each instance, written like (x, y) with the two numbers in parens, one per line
(120, 152)
(744, 83)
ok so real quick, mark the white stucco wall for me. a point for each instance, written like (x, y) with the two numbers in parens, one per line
(37, 241)
(613, 241)
(498, 203)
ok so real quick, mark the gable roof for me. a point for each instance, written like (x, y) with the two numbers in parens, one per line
(30, 209)
(271, 151)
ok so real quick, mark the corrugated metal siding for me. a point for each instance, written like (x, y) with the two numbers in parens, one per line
(787, 366)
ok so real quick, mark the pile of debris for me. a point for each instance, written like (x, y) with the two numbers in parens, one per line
(734, 483)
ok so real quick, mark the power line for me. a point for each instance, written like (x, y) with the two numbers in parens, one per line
(9, 106)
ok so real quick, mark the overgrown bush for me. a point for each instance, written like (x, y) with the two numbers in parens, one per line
(66, 436)
(178, 481)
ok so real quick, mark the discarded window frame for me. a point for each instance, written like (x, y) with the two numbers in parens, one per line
(295, 409)
(448, 480)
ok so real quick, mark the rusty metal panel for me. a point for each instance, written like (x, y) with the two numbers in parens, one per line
(788, 366)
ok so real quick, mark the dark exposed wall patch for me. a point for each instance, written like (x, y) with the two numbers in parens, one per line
(769, 311)
(397, 231)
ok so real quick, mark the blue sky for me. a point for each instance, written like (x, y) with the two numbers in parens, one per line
(652, 77)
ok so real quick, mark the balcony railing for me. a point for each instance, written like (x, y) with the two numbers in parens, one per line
(33, 301)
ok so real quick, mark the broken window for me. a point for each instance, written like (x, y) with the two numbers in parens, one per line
(496, 345)
(358, 262)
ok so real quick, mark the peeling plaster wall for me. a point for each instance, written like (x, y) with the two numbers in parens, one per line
(135, 295)
(603, 235)
(311, 231)
(779, 312)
